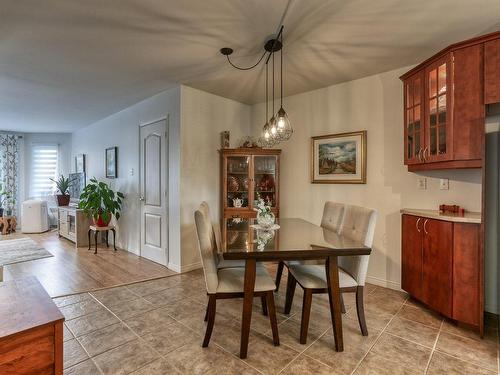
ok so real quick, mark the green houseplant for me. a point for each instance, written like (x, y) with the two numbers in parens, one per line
(63, 184)
(100, 202)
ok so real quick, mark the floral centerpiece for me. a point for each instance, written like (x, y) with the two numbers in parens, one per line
(265, 217)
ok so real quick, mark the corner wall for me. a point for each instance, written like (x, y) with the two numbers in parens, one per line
(374, 104)
(203, 117)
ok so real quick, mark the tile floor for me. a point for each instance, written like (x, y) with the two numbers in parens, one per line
(156, 327)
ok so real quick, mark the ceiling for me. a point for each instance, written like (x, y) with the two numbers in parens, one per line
(66, 64)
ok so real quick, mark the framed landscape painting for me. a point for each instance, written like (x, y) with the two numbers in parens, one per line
(339, 158)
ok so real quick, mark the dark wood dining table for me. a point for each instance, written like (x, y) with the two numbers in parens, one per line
(296, 239)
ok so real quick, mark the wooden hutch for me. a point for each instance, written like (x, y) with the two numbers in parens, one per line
(246, 174)
(445, 104)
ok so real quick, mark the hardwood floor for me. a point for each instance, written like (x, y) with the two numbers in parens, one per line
(73, 270)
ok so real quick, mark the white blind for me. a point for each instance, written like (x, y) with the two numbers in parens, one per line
(44, 165)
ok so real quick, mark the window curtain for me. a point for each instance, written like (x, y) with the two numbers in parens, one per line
(9, 167)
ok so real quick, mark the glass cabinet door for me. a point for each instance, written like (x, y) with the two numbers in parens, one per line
(414, 129)
(265, 178)
(238, 181)
(437, 111)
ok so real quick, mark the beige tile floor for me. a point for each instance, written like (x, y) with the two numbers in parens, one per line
(156, 327)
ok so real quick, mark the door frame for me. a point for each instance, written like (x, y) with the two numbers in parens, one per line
(167, 180)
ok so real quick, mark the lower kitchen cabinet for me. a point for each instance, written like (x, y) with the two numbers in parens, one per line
(442, 267)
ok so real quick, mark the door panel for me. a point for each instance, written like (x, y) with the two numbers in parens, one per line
(414, 128)
(153, 190)
(437, 265)
(491, 69)
(438, 129)
(411, 255)
(466, 278)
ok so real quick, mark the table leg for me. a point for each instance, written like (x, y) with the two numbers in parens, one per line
(107, 236)
(95, 239)
(332, 275)
(114, 238)
(249, 287)
(88, 235)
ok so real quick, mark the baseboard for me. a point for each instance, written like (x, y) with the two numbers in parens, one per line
(491, 308)
(186, 268)
(383, 282)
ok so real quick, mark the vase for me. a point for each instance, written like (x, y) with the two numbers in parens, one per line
(100, 222)
(62, 200)
(265, 219)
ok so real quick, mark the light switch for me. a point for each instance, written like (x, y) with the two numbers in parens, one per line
(444, 184)
(422, 183)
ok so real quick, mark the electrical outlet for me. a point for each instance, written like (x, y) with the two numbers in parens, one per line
(444, 184)
(131, 172)
(422, 183)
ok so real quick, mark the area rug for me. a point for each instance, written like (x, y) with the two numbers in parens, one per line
(21, 250)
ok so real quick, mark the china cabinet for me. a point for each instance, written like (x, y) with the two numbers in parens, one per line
(247, 173)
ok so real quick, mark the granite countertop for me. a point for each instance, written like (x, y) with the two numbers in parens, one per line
(468, 217)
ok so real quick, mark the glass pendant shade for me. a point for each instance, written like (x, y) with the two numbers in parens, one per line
(273, 127)
(283, 125)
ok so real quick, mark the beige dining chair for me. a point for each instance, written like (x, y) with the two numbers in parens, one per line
(216, 242)
(227, 283)
(332, 218)
(358, 224)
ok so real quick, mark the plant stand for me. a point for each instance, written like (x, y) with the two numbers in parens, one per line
(96, 230)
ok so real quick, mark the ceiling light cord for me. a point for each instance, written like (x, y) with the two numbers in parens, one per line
(281, 70)
(273, 84)
(246, 68)
(267, 95)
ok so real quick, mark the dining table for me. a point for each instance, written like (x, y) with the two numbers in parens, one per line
(295, 239)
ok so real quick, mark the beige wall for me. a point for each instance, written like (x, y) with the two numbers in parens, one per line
(374, 104)
(203, 117)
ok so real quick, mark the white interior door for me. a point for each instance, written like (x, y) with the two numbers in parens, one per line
(154, 196)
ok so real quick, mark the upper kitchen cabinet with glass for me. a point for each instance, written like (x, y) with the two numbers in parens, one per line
(444, 110)
(247, 174)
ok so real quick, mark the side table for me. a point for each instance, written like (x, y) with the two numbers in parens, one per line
(96, 230)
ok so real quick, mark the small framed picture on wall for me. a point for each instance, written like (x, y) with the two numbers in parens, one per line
(339, 158)
(80, 163)
(112, 162)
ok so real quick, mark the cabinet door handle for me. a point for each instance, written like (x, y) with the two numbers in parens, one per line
(420, 154)
(425, 228)
(423, 153)
(416, 224)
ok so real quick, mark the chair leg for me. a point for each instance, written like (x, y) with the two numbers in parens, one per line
(306, 313)
(279, 272)
(264, 305)
(206, 314)
(211, 319)
(361, 311)
(272, 317)
(342, 305)
(290, 291)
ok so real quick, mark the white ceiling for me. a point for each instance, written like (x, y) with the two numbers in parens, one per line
(65, 64)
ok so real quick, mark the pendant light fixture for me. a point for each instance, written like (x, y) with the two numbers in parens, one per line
(278, 127)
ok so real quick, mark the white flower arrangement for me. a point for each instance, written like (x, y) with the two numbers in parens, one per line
(262, 208)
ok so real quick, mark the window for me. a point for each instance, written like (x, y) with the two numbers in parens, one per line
(44, 165)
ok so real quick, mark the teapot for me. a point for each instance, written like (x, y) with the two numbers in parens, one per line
(237, 202)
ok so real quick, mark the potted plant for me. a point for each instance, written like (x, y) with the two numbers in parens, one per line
(4, 197)
(62, 185)
(100, 202)
(9, 206)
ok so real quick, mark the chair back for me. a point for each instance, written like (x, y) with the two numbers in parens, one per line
(207, 253)
(358, 224)
(332, 216)
(205, 208)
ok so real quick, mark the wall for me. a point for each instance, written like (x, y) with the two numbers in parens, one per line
(374, 104)
(122, 130)
(203, 117)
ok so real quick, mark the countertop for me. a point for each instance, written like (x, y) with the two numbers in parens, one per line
(468, 217)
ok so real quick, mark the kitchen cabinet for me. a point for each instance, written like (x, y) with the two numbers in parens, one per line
(442, 266)
(491, 71)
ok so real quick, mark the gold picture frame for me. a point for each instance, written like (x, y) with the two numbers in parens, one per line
(339, 158)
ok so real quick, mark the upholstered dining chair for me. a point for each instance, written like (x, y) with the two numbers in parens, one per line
(224, 283)
(358, 223)
(332, 218)
(216, 242)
